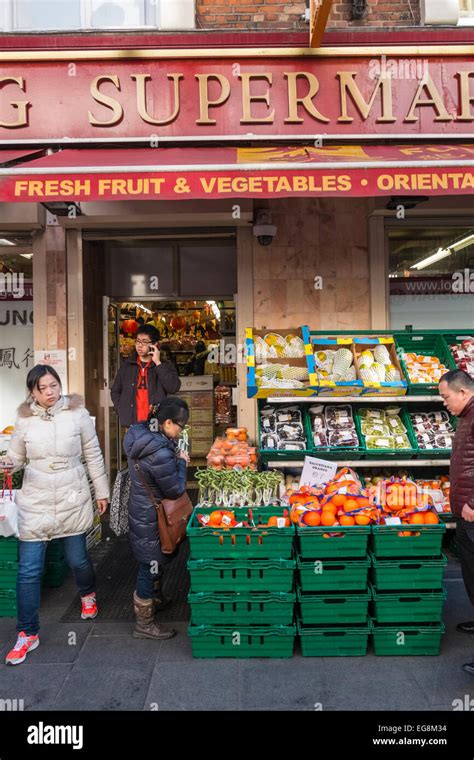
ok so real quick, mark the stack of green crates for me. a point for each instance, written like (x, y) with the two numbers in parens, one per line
(333, 594)
(407, 589)
(55, 567)
(242, 597)
(8, 573)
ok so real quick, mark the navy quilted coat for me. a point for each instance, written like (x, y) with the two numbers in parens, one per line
(166, 474)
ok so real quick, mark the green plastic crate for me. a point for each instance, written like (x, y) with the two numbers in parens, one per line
(241, 575)
(429, 344)
(235, 543)
(342, 542)
(333, 575)
(418, 639)
(276, 607)
(54, 551)
(55, 574)
(388, 453)
(334, 641)
(431, 453)
(274, 454)
(274, 641)
(8, 607)
(408, 574)
(425, 540)
(336, 608)
(9, 549)
(408, 607)
(8, 574)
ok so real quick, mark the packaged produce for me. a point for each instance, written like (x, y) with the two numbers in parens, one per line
(273, 346)
(424, 369)
(290, 431)
(374, 428)
(339, 418)
(320, 440)
(318, 421)
(463, 355)
(438, 417)
(375, 366)
(282, 429)
(402, 441)
(380, 442)
(335, 365)
(291, 445)
(289, 414)
(223, 404)
(377, 415)
(433, 430)
(232, 451)
(343, 438)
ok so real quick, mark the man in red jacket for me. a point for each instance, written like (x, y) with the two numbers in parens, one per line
(457, 390)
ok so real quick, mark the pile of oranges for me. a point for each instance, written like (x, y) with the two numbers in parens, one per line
(226, 519)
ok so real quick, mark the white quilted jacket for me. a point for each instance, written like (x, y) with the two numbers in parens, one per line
(55, 499)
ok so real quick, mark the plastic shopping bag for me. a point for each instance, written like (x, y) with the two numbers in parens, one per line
(8, 510)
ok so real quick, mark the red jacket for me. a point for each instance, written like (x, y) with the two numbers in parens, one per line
(462, 461)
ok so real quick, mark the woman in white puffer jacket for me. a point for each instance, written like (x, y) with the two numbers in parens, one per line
(52, 433)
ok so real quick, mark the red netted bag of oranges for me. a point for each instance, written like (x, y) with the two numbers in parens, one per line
(232, 451)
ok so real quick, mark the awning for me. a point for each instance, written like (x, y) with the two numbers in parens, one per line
(8, 157)
(241, 172)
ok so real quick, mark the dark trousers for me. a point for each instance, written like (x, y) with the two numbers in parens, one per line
(465, 543)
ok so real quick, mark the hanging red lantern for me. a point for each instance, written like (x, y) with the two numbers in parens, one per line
(178, 323)
(129, 326)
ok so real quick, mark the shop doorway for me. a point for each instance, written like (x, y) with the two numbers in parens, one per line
(186, 288)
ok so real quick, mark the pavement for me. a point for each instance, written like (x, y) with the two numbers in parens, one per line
(97, 665)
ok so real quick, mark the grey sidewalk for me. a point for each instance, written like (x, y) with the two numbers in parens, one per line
(97, 665)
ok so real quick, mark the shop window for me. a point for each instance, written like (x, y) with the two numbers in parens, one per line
(431, 276)
(71, 15)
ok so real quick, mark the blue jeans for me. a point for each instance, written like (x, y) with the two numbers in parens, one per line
(148, 573)
(30, 573)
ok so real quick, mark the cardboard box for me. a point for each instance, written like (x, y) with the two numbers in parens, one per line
(201, 416)
(198, 383)
(200, 448)
(202, 400)
(200, 431)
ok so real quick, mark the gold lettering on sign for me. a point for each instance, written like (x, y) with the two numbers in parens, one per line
(465, 98)
(306, 100)
(21, 105)
(349, 85)
(248, 98)
(106, 100)
(204, 102)
(434, 100)
(141, 80)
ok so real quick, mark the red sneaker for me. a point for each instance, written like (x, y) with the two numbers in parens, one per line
(89, 607)
(24, 644)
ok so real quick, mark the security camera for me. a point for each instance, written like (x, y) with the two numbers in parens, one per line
(263, 229)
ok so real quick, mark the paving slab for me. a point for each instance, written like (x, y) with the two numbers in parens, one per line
(119, 651)
(195, 685)
(37, 684)
(110, 688)
(294, 684)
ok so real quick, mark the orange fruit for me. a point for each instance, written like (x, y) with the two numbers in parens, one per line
(338, 500)
(362, 520)
(311, 518)
(327, 518)
(416, 519)
(431, 518)
(350, 505)
(347, 520)
(363, 502)
(215, 518)
(273, 520)
(330, 508)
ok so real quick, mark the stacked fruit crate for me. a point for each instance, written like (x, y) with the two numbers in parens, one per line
(8, 573)
(242, 597)
(333, 594)
(407, 589)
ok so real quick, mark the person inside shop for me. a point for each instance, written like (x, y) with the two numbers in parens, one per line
(457, 390)
(197, 363)
(53, 434)
(143, 380)
(163, 466)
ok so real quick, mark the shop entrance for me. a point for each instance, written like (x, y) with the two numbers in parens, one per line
(185, 287)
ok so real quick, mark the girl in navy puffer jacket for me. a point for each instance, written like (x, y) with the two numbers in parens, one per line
(153, 445)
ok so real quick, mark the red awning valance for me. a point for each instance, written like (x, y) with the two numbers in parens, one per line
(247, 172)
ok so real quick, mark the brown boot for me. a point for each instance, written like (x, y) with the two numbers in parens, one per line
(160, 601)
(146, 627)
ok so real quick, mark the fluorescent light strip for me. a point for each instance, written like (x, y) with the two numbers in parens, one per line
(460, 244)
(441, 253)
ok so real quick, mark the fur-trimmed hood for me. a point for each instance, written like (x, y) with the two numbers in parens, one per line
(74, 401)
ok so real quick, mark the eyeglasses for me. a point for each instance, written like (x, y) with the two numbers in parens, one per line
(143, 342)
(181, 427)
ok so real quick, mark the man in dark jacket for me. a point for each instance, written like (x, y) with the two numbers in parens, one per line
(143, 380)
(457, 390)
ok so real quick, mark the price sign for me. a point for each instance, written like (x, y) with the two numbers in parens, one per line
(317, 471)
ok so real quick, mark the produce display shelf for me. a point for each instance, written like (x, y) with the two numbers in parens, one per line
(408, 574)
(334, 641)
(424, 541)
(241, 575)
(333, 575)
(429, 344)
(234, 543)
(417, 639)
(408, 606)
(246, 641)
(365, 399)
(211, 608)
(319, 542)
(356, 463)
(394, 454)
(338, 607)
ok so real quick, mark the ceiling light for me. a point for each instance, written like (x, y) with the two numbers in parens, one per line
(4, 241)
(441, 253)
(460, 244)
(27, 255)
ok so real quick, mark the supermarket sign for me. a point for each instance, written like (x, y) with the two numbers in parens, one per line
(200, 173)
(74, 95)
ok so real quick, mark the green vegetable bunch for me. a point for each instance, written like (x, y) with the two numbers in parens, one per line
(238, 488)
